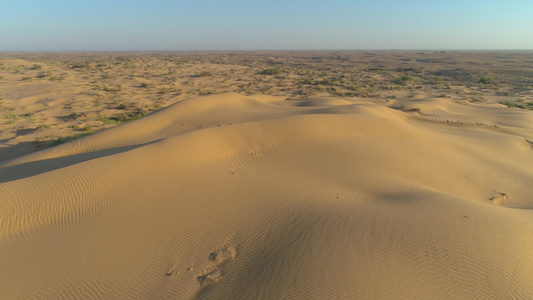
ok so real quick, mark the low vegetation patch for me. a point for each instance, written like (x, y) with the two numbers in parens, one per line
(508, 103)
(486, 80)
(36, 67)
(271, 71)
(62, 140)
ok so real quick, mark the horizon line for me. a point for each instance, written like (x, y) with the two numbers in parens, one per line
(255, 50)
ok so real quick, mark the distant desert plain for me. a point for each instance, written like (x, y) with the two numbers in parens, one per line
(266, 175)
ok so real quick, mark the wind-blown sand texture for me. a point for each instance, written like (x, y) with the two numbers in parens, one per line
(262, 197)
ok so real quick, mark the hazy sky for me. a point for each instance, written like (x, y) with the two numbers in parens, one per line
(70, 25)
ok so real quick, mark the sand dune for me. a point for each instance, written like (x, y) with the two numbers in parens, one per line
(262, 197)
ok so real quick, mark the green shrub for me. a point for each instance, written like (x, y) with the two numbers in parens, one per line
(59, 141)
(486, 80)
(271, 71)
(508, 103)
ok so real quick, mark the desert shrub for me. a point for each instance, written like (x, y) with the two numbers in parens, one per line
(406, 78)
(508, 103)
(43, 74)
(36, 67)
(528, 105)
(59, 141)
(108, 121)
(106, 88)
(9, 116)
(271, 71)
(79, 65)
(56, 78)
(486, 80)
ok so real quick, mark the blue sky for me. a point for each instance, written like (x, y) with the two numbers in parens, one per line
(134, 25)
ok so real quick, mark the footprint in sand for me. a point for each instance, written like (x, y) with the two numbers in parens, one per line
(214, 276)
(217, 258)
(499, 199)
(223, 255)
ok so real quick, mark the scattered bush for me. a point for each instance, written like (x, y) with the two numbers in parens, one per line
(79, 65)
(43, 74)
(508, 103)
(486, 80)
(271, 71)
(59, 141)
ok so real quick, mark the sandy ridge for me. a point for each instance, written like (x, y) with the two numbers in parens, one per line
(235, 197)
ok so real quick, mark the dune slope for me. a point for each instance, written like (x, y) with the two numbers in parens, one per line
(234, 197)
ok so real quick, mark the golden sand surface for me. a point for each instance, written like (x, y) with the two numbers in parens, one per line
(266, 175)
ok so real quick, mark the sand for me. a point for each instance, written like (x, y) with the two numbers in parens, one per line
(266, 175)
(264, 197)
